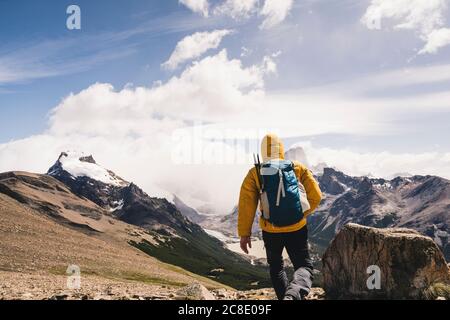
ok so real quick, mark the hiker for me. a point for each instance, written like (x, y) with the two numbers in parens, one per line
(283, 215)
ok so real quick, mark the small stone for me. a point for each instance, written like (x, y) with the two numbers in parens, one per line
(61, 296)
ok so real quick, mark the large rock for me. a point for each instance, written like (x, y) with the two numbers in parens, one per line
(195, 291)
(410, 264)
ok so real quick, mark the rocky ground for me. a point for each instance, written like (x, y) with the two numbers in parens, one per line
(31, 243)
(25, 286)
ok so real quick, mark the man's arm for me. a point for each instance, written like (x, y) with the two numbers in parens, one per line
(248, 202)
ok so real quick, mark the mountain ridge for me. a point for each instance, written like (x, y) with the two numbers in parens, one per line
(75, 198)
(418, 202)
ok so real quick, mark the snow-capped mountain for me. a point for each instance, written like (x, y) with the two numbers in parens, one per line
(418, 202)
(123, 199)
(79, 165)
(227, 224)
(181, 240)
(88, 179)
(296, 152)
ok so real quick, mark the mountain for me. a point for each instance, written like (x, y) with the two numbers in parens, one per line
(227, 224)
(129, 245)
(296, 152)
(45, 228)
(418, 202)
(421, 203)
(180, 241)
(188, 212)
(77, 192)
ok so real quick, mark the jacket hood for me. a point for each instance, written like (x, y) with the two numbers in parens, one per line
(272, 148)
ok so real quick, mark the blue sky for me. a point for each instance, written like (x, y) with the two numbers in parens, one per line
(351, 80)
(322, 42)
(91, 54)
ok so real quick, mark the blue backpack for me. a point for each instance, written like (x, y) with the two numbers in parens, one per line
(279, 194)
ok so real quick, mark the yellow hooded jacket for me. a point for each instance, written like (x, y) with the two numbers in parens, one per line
(272, 148)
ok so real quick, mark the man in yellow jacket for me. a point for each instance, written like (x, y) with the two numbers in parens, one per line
(292, 237)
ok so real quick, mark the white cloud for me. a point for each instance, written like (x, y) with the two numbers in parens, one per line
(425, 17)
(435, 40)
(420, 15)
(209, 90)
(269, 65)
(245, 52)
(237, 9)
(379, 164)
(27, 61)
(131, 130)
(275, 11)
(194, 46)
(197, 6)
(37, 60)
(277, 54)
(380, 83)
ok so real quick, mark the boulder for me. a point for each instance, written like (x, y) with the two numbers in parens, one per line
(408, 264)
(194, 291)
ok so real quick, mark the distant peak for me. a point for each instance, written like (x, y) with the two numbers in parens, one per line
(89, 159)
(79, 164)
(296, 152)
(328, 171)
(365, 185)
(80, 156)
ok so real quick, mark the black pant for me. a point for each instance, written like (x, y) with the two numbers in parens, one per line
(296, 244)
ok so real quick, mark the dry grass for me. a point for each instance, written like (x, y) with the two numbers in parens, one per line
(30, 242)
(438, 290)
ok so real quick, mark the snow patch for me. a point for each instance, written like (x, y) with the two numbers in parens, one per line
(439, 235)
(330, 221)
(220, 236)
(118, 205)
(70, 162)
(384, 186)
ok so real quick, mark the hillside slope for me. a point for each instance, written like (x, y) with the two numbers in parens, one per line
(178, 240)
(79, 194)
(35, 243)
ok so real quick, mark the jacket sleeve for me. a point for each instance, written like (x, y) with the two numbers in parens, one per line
(248, 203)
(312, 188)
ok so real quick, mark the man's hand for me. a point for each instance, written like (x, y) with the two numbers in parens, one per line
(246, 241)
